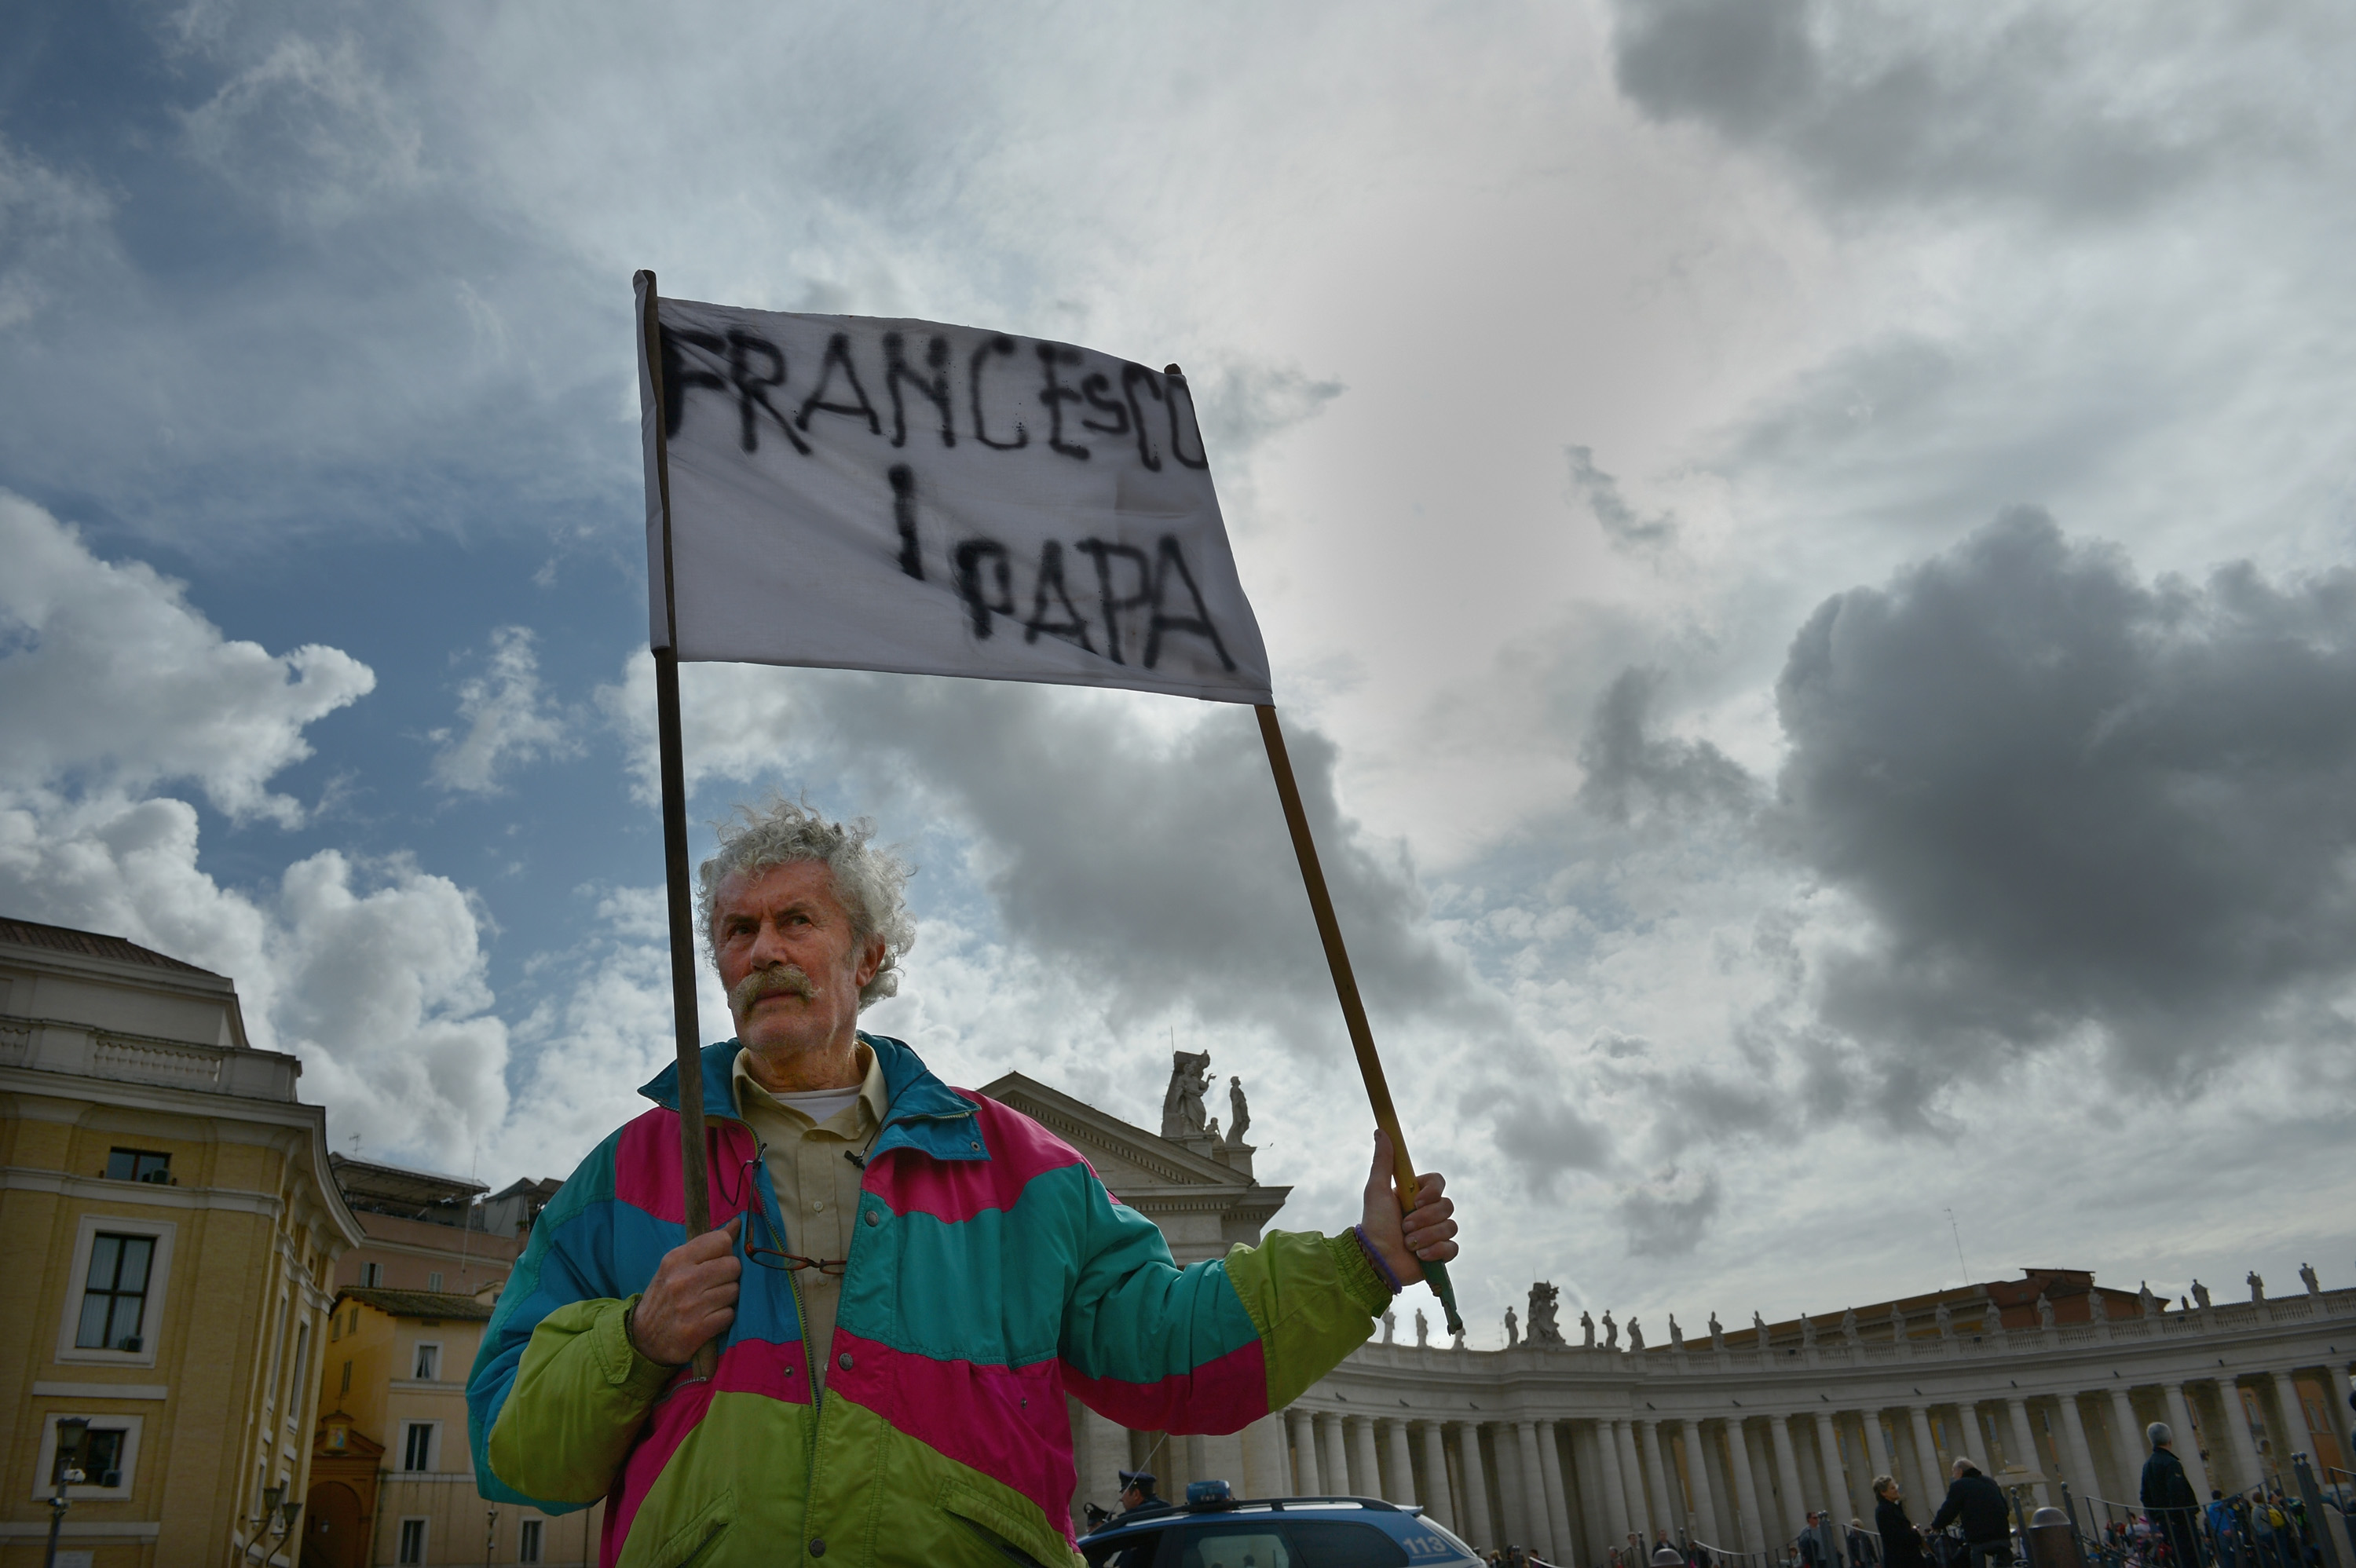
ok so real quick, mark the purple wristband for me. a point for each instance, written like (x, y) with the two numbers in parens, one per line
(1376, 1258)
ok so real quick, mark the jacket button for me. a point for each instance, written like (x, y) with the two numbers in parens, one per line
(818, 1546)
(873, 1218)
(974, 1145)
(843, 1361)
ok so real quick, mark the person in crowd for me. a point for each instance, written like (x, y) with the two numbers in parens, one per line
(1978, 1504)
(2269, 1530)
(1860, 1545)
(1901, 1543)
(1136, 1494)
(2167, 1497)
(1812, 1553)
(2224, 1530)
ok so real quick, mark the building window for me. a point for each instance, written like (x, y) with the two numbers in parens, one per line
(139, 1165)
(102, 1459)
(348, 1380)
(110, 1454)
(371, 1275)
(429, 1362)
(434, 1281)
(412, 1540)
(528, 1542)
(417, 1446)
(114, 1292)
(295, 1389)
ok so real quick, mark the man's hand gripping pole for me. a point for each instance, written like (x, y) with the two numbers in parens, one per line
(1345, 985)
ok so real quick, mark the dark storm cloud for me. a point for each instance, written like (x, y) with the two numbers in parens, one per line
(1631, 772)
(1668, 1213)
(1600, 493)
(2077, 803)
(1875, 105)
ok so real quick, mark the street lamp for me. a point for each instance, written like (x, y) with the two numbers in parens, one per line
(73, 1433)
(278, 1514)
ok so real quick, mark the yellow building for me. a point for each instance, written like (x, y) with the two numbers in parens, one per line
(171, 1229)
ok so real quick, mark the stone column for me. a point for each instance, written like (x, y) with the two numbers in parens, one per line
(1220, 1457)
(1435, 1477)
(1366, 1469)
(2126, 1446)
(1746, 1490)
(1267, 1472)
(1587, 1459)
(1513, 1502)
(1538, 1518)
(2337, 1390)
(1927, 1455)
(1790, 1512)
(1705, 1508)
(2295, 1433)
(1306, 1482)
(1333, 1455)
(2246, 1462)
(1402, 1481)
(1877, 1454)
(1839, 1497)
(1557, 1499)
(2188, 1443)
(1477, 1527)
(1667, 1512)
(2085, 1482)
(1632, 1471)
(1615, 1486)
(2025, 1437)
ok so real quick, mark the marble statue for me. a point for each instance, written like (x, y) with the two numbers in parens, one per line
(2097, 1309)
(1716, 1331)
(1422, 1330)
(1635, 1336)
(1543, 1329)
(2044, 1311)
(1241, 1112)
(1807, 1332)
(1676, 1335)
(1946, 1319)
(1760, 1324)
(1610, 1331)
(1390, 1326)
(1513, 1329)
(2257, 1286)
(1587, 1327)
(2306, 1277)
(2150, 1302)
(1456, 1338)
(1848, 1328)
(2201, 1295)
(1898, 1323)
(1181, 1102)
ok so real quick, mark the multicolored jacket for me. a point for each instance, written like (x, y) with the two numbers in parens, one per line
(989, 1272)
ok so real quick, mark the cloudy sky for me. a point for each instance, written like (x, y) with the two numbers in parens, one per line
(1804, 544)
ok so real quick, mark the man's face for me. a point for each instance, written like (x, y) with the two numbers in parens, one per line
(1132, 1497)
(788, 959)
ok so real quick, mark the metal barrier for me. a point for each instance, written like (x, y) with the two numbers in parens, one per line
(2127, 1535)
(1727, 1557)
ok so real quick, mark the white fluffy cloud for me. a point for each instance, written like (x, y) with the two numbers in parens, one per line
(506, 718)
(114, 685)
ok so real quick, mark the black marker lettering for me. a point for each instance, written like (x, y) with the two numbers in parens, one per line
(1074, 626)
(678, 378)
(903, 512)
(968, 578)
(1095, 389)
(1131, 375)
(752, 390)
(1103, 552)
(1177, 444)
(838, 352)
(998, 344)
(935, 392)
(1055, 394)
(1167, 560)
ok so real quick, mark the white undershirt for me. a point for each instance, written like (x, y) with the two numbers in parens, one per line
(821, 1105)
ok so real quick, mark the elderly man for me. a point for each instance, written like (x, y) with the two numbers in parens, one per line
(907, 1280)
(2167, 1493)
(1978, 1504)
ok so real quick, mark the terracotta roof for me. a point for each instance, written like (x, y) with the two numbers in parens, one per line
(90, 943)
(419, 1303)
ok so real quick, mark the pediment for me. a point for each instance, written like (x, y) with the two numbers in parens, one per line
(1126, 1157)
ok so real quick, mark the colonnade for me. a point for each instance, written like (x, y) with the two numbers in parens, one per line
(1574, 1487)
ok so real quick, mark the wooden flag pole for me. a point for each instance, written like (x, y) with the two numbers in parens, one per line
(1345, 985)
(695, 1183)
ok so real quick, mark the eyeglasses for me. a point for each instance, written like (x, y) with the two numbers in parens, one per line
(762, 1245)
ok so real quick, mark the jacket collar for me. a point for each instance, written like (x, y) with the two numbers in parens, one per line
(926, 1113)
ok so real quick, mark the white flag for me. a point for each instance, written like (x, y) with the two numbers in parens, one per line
(858, 493)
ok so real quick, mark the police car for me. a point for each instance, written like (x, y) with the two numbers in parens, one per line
(1216, 1530)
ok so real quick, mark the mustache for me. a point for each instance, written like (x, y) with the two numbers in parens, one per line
(777, 979)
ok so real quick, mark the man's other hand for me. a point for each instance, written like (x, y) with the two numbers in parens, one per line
(1429, 1231)
(692, 1297)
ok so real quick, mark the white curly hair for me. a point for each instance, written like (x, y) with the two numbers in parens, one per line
(873, 882)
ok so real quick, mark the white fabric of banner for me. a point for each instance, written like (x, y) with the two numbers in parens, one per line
(859, 493)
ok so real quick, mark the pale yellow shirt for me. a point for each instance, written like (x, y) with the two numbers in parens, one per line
(818, 1188)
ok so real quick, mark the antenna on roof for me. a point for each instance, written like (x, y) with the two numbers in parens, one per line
(1959, 1246)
